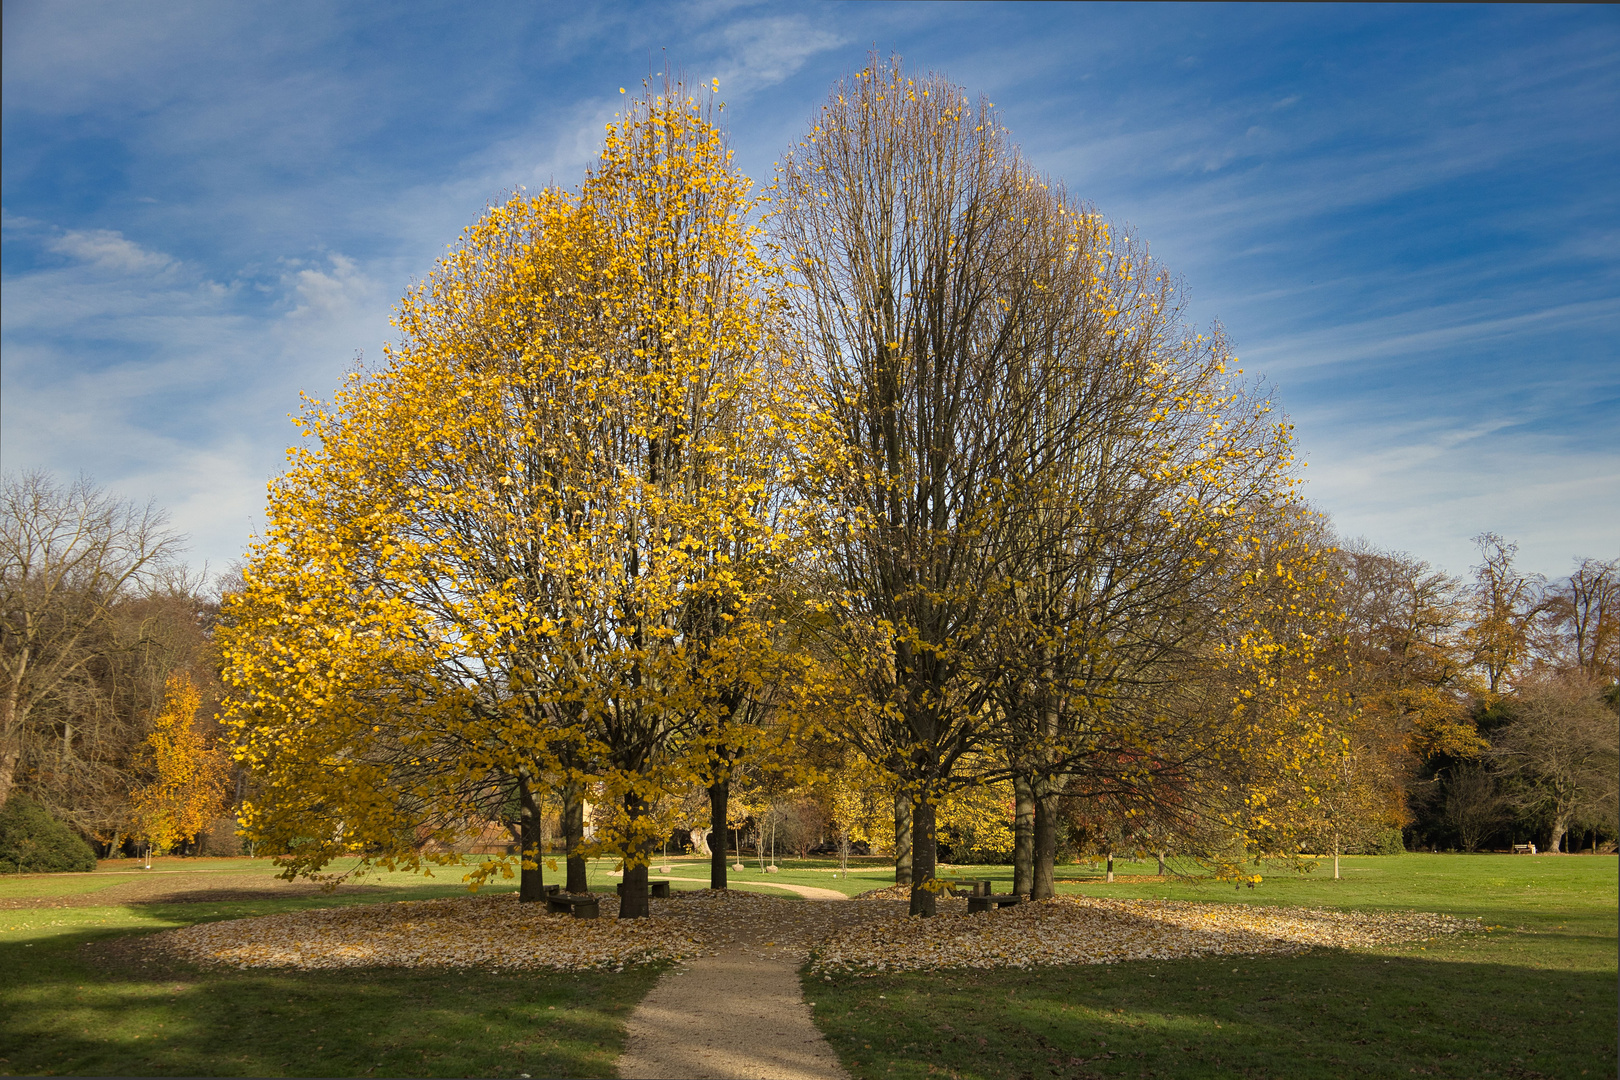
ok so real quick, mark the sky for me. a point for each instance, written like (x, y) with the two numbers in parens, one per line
(1407, 218)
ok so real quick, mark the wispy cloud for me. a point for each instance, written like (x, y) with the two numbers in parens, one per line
(1404, 216)
(106, 249)
(761, 52)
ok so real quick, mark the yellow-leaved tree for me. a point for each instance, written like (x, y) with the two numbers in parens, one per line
(188, 791)
(1277, 697)
(539, 547)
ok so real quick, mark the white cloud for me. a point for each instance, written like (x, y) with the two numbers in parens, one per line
(335, 293)
(760, 53)
(108, 250)
(176, 387)
(1430, 491)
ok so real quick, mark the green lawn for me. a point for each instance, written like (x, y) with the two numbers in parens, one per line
(68, 1009)
(865, 873)
(1536, 998)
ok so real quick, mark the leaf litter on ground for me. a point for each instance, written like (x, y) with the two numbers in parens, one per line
(497, 932)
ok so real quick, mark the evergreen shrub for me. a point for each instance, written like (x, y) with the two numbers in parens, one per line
(34, 842)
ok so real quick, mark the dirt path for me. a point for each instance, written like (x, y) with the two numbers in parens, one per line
(740, 1014)
(809, 892)
(737, 1016)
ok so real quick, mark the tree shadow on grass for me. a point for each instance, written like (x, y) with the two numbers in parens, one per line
(1320, 1014)
(86, 1004)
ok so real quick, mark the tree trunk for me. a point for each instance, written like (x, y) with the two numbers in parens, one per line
(902, 838)
(1335, 856)
(531, 879)
(1161, 863)
(1023, 836)
(924, 858)
(573, 823)
(1555, 843)
(633, 904)
(10, 754)
(1110, 878)
(1043, 885)
(719, 800)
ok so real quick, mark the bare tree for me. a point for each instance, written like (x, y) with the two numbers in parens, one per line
(1583, 617)
(901, 223)
(1473, 805)
(1563, 753)
(68, 556)
(1137, 463)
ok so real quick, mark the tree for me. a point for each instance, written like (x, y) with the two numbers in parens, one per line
(1472, 805)
(541, 543)
(188, 790)
(68, 556)
(1583, 611)
(900, 220)
(1406, 651)
(1562, 751)
(1275, 698)
(1407, 679)
(1140, 466)
(1505, 605)
(1356, 801)
(669, 566)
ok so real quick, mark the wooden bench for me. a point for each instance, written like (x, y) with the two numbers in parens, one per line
(986, 901)
(1524, 849)
(580, 906)
(658, 890)
(982, 897)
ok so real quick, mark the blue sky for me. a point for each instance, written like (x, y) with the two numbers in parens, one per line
(1407, 218)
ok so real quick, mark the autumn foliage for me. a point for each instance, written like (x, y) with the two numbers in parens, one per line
(909, 482)
(188, 791)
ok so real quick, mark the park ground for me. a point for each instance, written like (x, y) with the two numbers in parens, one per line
(1534, 996)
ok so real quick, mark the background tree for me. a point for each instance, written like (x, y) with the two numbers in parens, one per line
(1582, 617)
(1505, 604)
(69, 557)
(1562, 754)
(188, 791)
(1408, 683)
(1472, 806)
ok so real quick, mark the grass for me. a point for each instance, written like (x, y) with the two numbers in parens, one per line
(69, 1007)
(1536, 998)
(69, 1010)
(865, 873)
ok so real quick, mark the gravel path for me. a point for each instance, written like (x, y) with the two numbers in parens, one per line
(740, 1014)
(809, 892)
(735, 1016)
